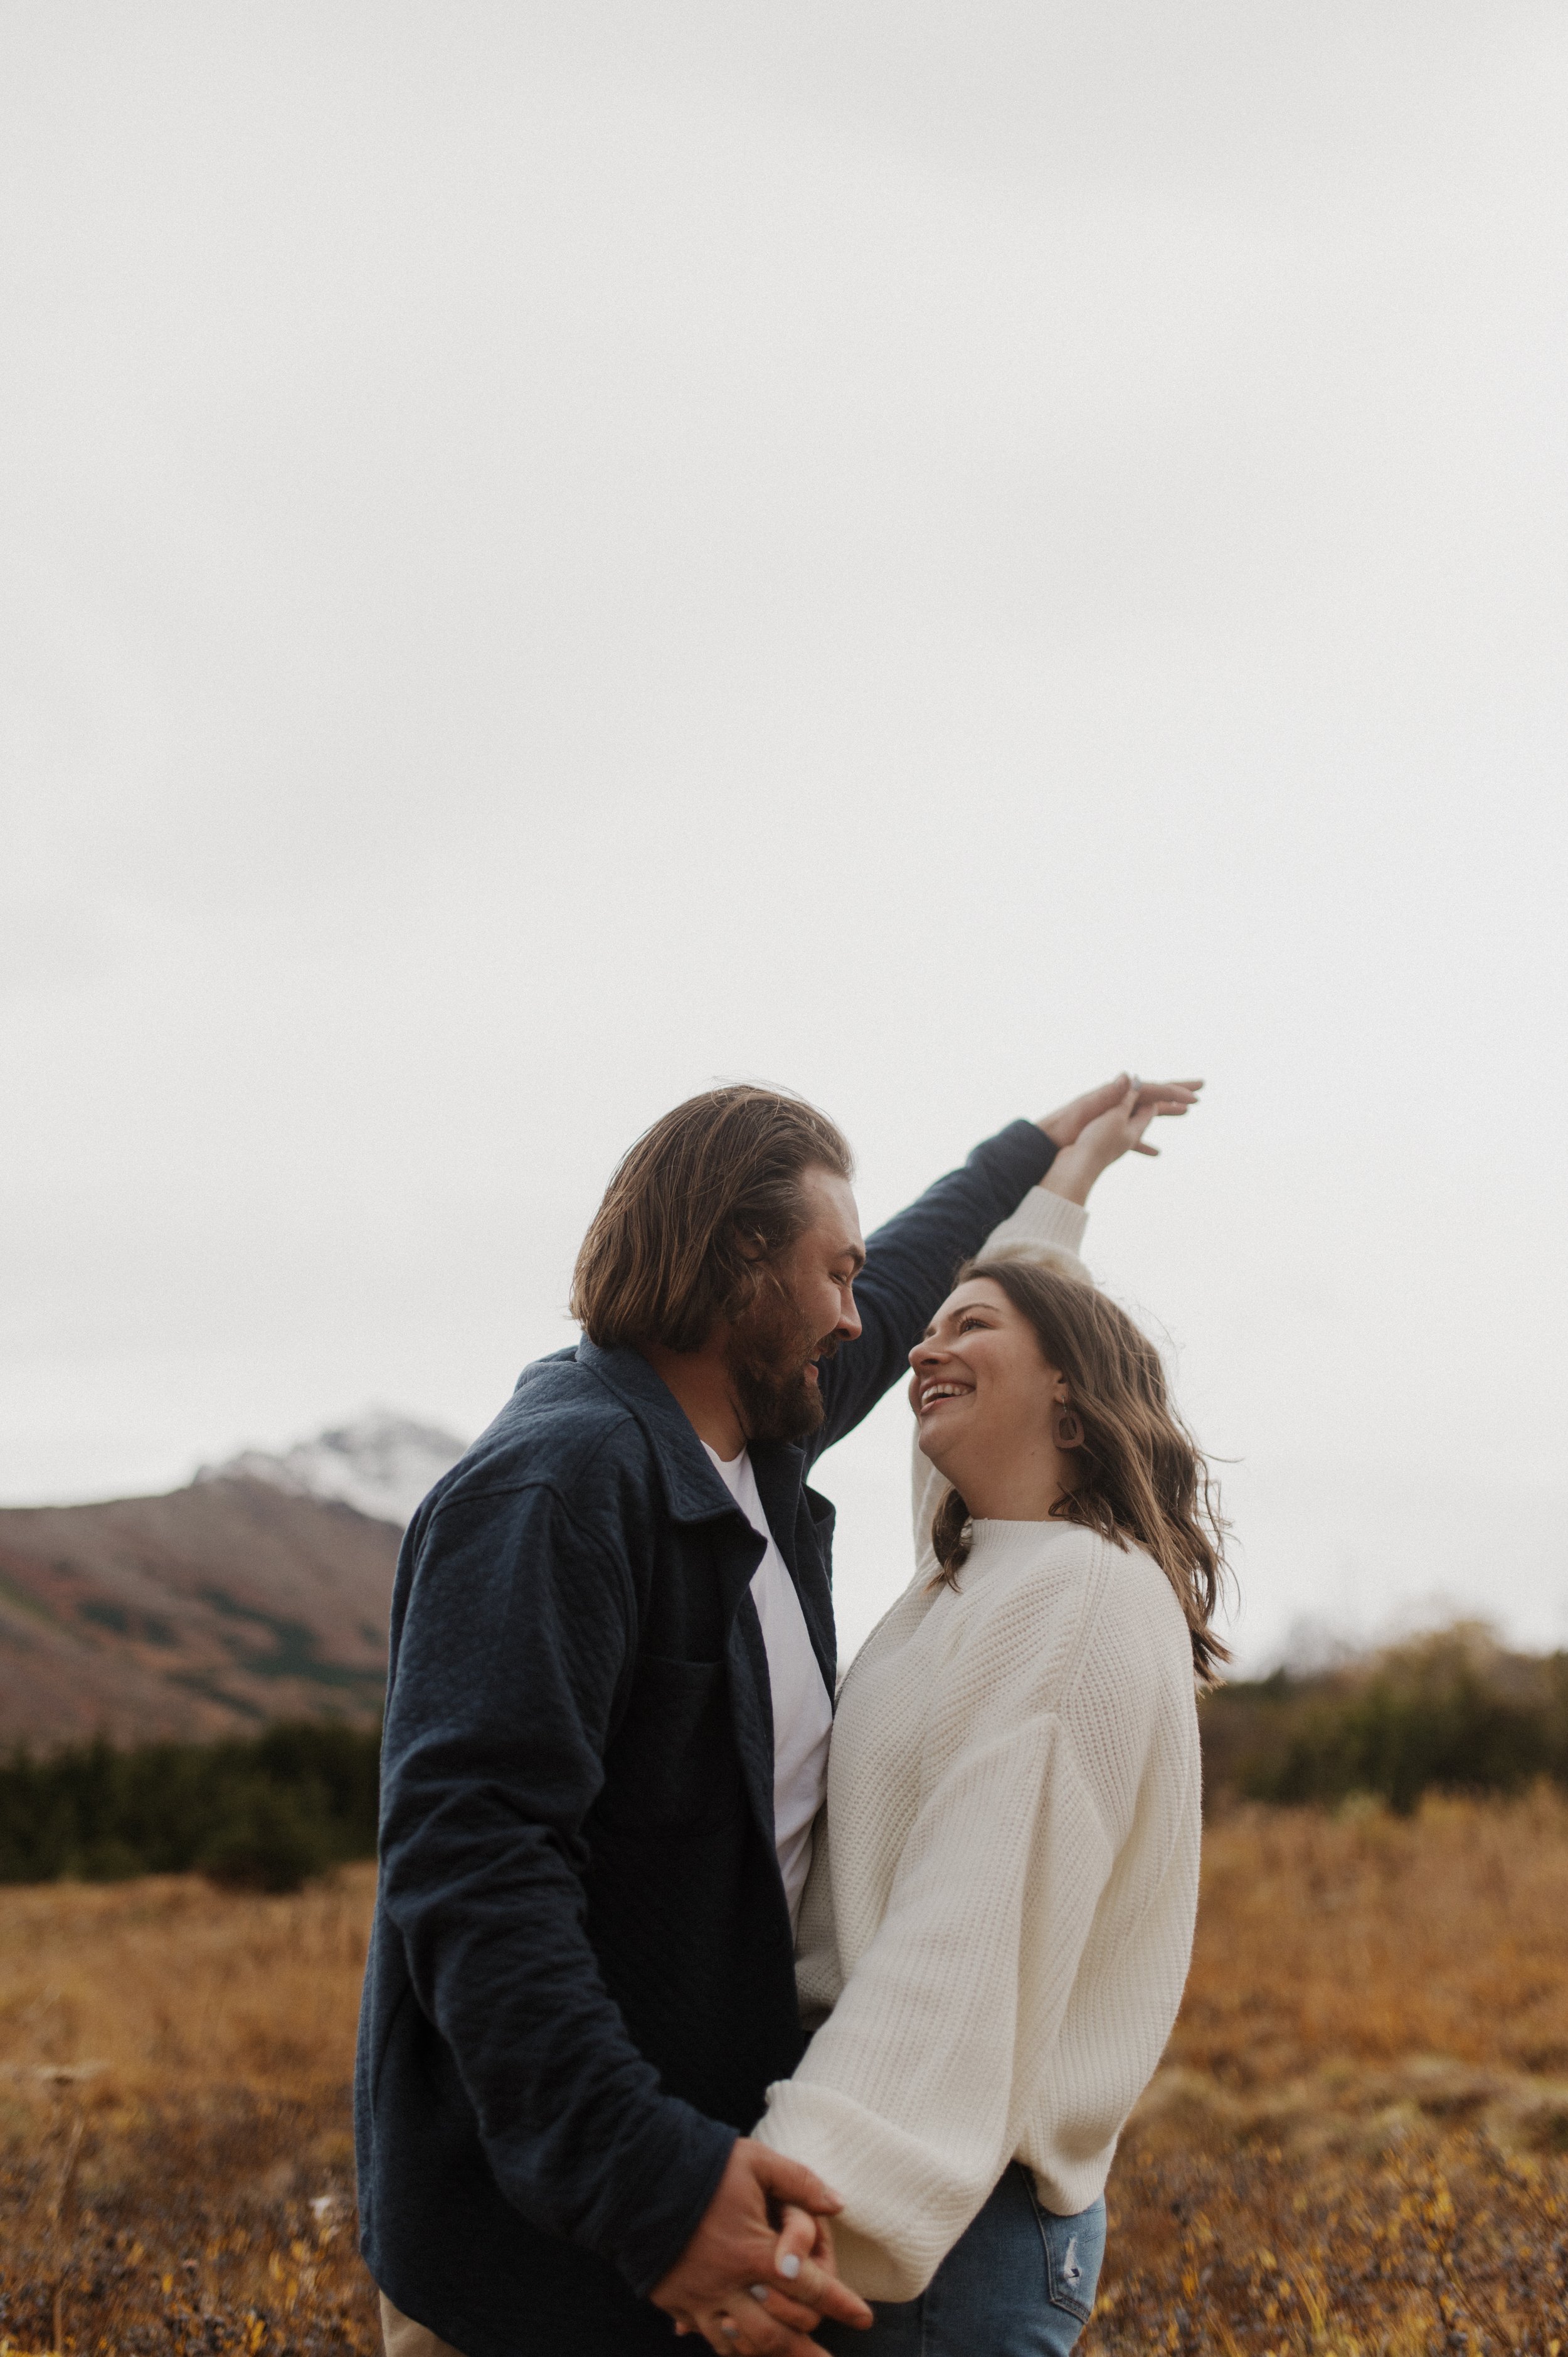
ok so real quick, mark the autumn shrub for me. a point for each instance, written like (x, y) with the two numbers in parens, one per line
(1450, 1712)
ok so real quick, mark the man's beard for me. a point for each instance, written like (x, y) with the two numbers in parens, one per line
(768, 1353)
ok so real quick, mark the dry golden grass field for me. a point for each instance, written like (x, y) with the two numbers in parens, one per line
(1358, 2142)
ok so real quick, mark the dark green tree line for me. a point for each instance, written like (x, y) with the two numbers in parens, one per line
(263, 1815)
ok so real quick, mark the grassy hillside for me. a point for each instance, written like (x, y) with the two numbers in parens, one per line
(1355, 2146)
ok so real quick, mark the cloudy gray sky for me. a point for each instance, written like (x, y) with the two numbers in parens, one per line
(552, 554)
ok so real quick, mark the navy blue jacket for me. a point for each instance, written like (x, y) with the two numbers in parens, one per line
(581, 1979)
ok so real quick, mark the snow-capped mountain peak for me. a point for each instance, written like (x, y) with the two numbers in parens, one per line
(381, 1463)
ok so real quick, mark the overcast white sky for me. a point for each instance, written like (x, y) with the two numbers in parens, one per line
(555, 554)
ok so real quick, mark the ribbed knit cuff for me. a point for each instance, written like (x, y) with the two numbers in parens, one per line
(1046, 1226)
(902, 2205)
(1050, 1219)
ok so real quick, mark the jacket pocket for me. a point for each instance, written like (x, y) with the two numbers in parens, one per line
(673, 1766)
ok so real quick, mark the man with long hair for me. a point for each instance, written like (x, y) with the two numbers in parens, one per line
(608, 1714)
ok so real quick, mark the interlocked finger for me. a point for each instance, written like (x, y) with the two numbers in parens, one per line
(785, 2308)
(736, 2333)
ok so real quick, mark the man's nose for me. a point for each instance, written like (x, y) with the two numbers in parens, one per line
(848, 1326)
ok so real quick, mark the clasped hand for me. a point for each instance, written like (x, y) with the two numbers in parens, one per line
(760, 2274)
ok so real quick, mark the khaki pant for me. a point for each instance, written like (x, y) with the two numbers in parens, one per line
(405, 2339)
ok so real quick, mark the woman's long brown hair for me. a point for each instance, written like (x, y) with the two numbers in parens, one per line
(1141, 1475)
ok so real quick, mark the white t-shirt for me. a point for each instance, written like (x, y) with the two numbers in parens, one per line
(802, 1707)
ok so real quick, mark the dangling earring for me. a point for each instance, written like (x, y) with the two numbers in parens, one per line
(1069, 1429)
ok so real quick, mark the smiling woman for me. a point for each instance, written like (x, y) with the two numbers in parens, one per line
(1039, 1400)
(999, 1915)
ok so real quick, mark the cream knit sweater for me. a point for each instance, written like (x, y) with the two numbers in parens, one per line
(1000, 1916)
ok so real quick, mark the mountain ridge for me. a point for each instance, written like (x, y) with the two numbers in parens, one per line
(250, 1595)
(382, 1462)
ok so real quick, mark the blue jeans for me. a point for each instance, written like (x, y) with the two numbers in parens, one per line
(1020, 2283)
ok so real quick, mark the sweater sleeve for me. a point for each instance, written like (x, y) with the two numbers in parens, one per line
(1044, 1227)
(907, 2100)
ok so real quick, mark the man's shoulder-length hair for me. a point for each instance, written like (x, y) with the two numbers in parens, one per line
(703, 1202)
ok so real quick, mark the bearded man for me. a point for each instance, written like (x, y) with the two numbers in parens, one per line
(607, 1717)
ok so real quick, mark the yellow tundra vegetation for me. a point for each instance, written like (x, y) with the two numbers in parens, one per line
(1358, 2141)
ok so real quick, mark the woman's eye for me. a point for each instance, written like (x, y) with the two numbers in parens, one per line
(972, 1325)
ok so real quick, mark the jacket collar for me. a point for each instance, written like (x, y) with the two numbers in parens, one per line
(693, 1490)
